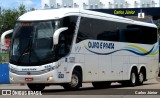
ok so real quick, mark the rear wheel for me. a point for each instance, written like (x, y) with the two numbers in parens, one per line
(36, 87)
(133, 78)
(76, 81)
(101, 84)
(140, 78)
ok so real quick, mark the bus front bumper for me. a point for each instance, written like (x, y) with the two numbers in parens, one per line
(49, 77)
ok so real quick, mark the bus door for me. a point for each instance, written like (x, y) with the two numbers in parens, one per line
(62, 53)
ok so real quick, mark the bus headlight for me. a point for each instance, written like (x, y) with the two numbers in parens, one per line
(12, 70)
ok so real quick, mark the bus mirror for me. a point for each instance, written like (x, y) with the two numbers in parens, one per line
(3, 43)
(57, 33)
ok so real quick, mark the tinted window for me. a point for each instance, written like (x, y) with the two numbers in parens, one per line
(104, 30)
(138, 34)
(69, 22)
(66, 37)
(130, 35)
(97, 29)
(84, 31)
(149, 35)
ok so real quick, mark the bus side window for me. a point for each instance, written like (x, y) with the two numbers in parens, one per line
(84, 31)
(131, 35)
(66, 37)
(108, 36)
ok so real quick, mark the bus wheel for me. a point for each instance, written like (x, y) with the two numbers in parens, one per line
(36, 87)
(101, 84)
(76, 81)
(140, 78)
(133, 78)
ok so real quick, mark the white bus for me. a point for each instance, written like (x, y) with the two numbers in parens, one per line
(69, 47)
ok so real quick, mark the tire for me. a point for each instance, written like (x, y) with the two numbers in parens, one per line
(36, 87)
(140, 78)
(133, 78)
(100, 85)
(76, 82)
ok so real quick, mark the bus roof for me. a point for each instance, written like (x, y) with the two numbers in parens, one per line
(48, 14)
(51, 14)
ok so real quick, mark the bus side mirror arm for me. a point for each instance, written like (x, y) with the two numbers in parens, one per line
(4, 35)
(57, 33)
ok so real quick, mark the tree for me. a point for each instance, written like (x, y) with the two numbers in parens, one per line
(32, 9)
(21, 9)
(8, 17)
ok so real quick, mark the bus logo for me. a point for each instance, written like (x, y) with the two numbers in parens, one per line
(28, 73)
(100, 45)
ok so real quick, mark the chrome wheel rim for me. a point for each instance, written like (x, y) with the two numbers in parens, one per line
(141, 77)
(74, 81)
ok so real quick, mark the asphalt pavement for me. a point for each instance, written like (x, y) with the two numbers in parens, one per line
(88, 91)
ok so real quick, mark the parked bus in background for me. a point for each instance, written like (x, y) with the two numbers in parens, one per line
(69, 47)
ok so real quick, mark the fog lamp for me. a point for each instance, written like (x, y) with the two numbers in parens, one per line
(49, 78)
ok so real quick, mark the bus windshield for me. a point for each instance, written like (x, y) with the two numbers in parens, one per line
(32, 43)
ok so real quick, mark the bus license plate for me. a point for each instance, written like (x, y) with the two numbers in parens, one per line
(28, 79)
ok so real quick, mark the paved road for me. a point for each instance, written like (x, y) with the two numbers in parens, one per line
(116, 90)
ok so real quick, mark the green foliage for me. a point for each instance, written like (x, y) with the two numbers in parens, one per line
(8, 17)
(21, 9)
(4, 57)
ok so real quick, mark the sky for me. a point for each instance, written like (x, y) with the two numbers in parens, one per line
(10, 4)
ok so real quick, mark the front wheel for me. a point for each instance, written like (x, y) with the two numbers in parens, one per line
(76, 82)
(36, 87)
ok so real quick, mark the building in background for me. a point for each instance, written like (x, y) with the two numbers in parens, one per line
(99, 4)
(49, 4)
